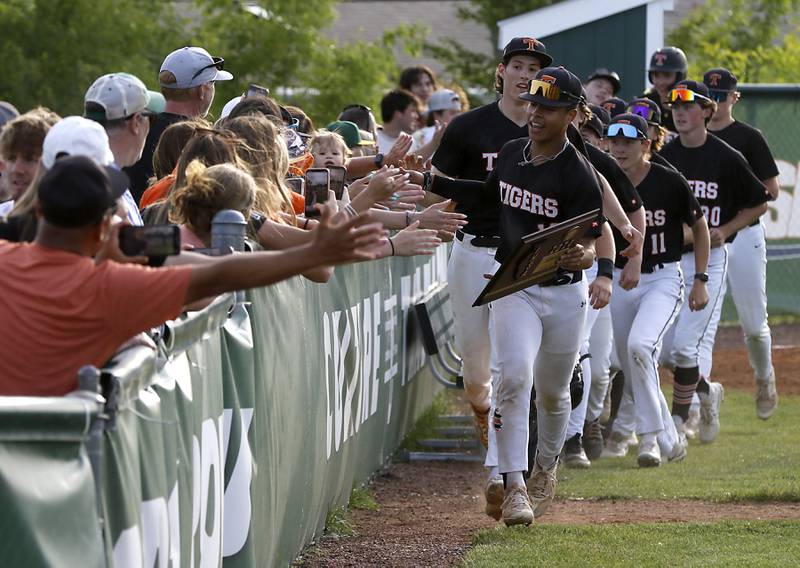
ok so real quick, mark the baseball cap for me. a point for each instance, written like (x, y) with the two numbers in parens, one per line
(118, 96)
(609, 75)
(527, 46)
(7, 112)
(444, 99)
(226, 110)
(688, 91)
(193, 66)
(614, 106)
(627, 126)
(601, 114)
(349, 131)
(77, 192)
(75, 135)
(647, 109)
(554, 87)
(720, 82)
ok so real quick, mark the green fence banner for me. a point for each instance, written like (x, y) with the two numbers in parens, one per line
(231, 442)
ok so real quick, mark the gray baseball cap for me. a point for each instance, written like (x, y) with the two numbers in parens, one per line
(192, 67)
(121, 95)
(444, 99)
(7, 112)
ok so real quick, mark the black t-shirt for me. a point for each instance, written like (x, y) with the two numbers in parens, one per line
(619, 182)
(750, 142)
(531, 198)
(668, 203)
(720, 178)
(141, 172)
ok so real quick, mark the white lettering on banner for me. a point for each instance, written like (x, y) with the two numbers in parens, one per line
(238, 507)
(207, 478)
(782, 220)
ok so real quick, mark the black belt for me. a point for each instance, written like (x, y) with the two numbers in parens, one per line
(480, 240)
(653, 268)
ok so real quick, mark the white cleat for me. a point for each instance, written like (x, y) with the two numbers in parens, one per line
(542, 487)
(649, 452)
(709, 412)
(517, 507)
(494, 493)
(766, 397)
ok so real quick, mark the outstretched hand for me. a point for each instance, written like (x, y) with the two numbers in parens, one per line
(346, 241)
(413, 241)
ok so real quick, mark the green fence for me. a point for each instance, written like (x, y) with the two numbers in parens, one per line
(775, 110)
(232, 442)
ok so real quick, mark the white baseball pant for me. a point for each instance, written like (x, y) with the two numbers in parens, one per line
(682, 344)
(465, 271)
(641, 318)
(537, 333)
(578, 414)
(604, 359)
(747, 279)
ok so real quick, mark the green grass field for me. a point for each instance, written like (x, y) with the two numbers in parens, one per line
(751, 460)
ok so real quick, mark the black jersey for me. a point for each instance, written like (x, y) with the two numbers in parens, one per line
(469, 150)
(750, 142)
(666, 112)
(619, 182)
(720, 178)
(657, 158)
(531, 198)
(668, 204)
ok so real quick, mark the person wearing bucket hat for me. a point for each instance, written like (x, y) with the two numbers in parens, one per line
(536, 181)
(601, 85)
(641, 315)
(747, 260)
(731, 197)
(186, 78)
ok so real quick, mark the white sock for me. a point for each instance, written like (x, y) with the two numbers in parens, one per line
(494, 471)
(514, 478)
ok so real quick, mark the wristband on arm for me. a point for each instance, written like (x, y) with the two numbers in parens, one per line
(605, 267)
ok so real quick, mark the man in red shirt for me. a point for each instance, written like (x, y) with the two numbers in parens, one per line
(60, 309)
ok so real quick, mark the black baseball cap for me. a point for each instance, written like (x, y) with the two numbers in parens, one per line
(647, 109)
(639, 123)
(609, 75)
(694, 86)
(720, 79)
(600, 113)
(554, 87)
(76, 192)
(527, 46)
(614, 106)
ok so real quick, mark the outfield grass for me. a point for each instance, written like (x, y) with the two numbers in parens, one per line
(751, 460)
(728, 543)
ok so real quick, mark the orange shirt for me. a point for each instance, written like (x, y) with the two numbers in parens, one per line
(60, 311)
(157, 191)
(298, 203)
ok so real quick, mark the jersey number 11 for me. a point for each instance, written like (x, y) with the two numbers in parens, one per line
(659, 246)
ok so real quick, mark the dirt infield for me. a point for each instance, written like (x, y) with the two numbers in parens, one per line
(430, 511)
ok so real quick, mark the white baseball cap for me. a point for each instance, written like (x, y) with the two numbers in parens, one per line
(193, 66)
(226, 110)
(444, 99)
(76, 136)
(120, 95)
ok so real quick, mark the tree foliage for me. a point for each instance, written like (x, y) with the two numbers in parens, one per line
(756, 39)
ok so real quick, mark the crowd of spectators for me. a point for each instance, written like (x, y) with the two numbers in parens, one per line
(136, 157)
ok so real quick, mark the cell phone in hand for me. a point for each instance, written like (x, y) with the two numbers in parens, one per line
(256, 91)
(150, 240)
(297, 184)
(337, 175)
(318, 183)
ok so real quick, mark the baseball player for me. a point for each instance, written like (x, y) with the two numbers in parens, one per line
(657, 134)
(537, 332)
(731, 198)
(747, 255)
(667, 67)
(641, 316)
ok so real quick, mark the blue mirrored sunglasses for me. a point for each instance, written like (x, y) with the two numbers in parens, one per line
(718, 96)
(625, 130)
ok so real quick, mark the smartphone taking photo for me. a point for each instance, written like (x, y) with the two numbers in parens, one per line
(318, 183)
(297, 184)
(150, 240)
(337, 175)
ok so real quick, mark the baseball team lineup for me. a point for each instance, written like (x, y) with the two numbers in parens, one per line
(679, 186)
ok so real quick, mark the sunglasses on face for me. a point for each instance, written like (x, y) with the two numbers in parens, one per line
(624, 130)
(683, 95)
(719, 96)
(642, 110)
(548, 91)
(218, 63)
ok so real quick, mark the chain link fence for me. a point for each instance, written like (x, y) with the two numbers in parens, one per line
(775, 110)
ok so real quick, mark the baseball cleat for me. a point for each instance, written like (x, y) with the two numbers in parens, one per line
(766, 397)
(593, 439)
(649, 452)
(709, 412)
(617, 445)
(517, 507)
(692, 424)
(573, 455)
(494, 493)
(481, 421)
(542, 487)
(679, 448)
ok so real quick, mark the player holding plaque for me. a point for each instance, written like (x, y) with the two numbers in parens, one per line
(538, 181)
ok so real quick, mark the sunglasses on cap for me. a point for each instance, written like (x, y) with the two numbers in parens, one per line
(684, 95)
(624, 130)
(644, 111)
(549, 91)
(218, 63)
(718, 96)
